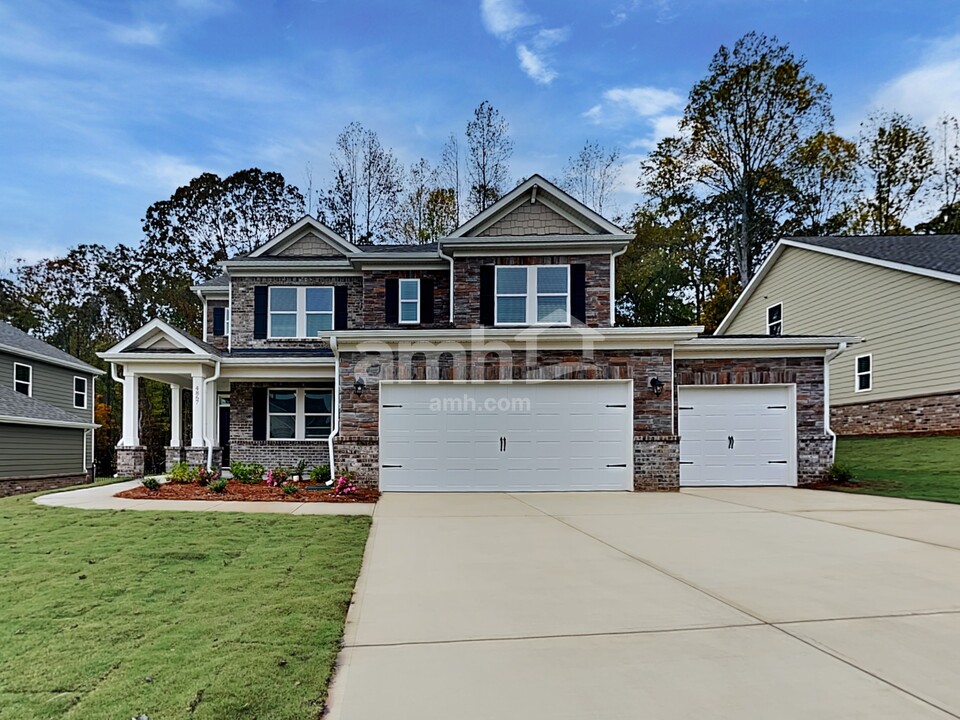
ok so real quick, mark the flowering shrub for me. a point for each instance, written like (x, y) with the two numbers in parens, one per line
(344, 485)
(204, 477)
(279, 477)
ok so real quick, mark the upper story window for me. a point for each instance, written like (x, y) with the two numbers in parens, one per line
(23, 379)
(300, 312)
(532, 295)
(775, 319)
(409, 301)
(863, 373)
(80, 393)
(299, 414)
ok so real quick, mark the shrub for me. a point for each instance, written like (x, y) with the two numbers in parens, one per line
(181, 473)
(300, 470)
(290, 488)
(204, 477)
(344, 485)
(247, 473)
(151, 483)
(278, 476)
(218, 485)
(320, 474)
(839, 474)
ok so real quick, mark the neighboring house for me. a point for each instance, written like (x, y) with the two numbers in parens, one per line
(46, 414)
(900, 294)
(487, 361)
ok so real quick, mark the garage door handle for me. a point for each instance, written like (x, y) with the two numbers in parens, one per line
(503, 444)
(392, 406)
(391, 466)
(776, 462)
(776, 407)
(618, 465)
(731, 442)
(623, 406)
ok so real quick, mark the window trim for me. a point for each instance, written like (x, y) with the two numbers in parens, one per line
(401, 301)
(29, 382)
(857, 374)
(299, 415)
(777, 322)
(301, 313)
(531, 297)
(86, 389)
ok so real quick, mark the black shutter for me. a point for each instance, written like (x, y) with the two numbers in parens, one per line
(340, 308)
(487, 280)
(391, 301)
(219, 324)
(260, 312)
(259, 413)
(426, 301)
(578, 292)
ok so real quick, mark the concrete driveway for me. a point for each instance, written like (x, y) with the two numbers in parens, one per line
(719, 603)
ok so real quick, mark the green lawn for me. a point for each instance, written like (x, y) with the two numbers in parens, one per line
(922, 468)
(172, 615)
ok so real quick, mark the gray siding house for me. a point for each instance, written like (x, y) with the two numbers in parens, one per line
(46, 414)
(900, 294)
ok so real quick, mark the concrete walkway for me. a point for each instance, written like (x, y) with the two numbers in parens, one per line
(101, 497)
(720, 603)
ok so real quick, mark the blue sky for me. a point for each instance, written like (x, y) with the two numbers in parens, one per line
(107, 106)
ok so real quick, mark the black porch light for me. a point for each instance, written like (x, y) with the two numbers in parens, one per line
(359, 385)
(656, 384)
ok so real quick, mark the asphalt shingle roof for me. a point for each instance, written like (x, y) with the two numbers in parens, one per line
(218, 281)
(929, 252)
(16, 339)
(15, 404)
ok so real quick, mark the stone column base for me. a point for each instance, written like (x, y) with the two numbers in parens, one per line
(198, 456)
(656, 462)
(814, 458)
(173, 455)
(130, 461)
(360, 456)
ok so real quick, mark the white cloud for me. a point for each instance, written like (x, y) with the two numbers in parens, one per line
(644, 101)
(145, 34)
(504, 17)
(548, 37)
(926, 92)
(534, 66)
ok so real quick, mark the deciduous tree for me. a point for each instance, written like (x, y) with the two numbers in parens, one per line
(489, 149)
(591, 175)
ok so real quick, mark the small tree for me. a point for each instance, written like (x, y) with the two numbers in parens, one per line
(591, 175)
(488, 156)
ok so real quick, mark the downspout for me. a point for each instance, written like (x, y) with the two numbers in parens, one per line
(335, 430)
(613, 284)
(208, 441)
(449, 259)
(117, 379)
(828, 358)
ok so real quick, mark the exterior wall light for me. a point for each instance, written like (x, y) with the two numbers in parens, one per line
(656, 385)
(359, 385)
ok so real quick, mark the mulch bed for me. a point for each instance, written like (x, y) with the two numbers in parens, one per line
(239, 491)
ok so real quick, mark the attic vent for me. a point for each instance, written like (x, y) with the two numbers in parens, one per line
(533, 195)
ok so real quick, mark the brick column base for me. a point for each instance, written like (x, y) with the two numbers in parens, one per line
(360, 455)
(656, 462)
(173, 455)
(130, 461)
(198, 456)
(814, 458)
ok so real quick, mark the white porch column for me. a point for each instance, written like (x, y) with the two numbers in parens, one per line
(213, 416)
(131, 410)
(199, 405)
(176, 416)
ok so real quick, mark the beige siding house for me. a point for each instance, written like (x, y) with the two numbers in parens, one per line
(900, 294)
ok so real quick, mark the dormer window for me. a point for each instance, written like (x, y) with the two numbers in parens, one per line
(300, 312)
(533, 295)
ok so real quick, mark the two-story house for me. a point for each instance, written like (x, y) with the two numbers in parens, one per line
(489, 360)
(46, 414)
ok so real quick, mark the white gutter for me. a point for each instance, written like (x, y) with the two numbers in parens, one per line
(335, 430)
(828, 358)
(18, 420)
(208, 441)
(449, 259)
(613, 284)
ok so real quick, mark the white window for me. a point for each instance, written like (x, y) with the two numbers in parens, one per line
(300, 312)
(409, 301)
(775, 319)
(23, 379)
(532, 295)
(299, 414)
(80, 392)
(863, 373)
(226, 322)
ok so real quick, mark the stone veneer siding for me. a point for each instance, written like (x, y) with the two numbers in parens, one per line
(656, 463)
(374, 293)
(268, 453)
(814, 446)
(466, 279)
(928, 414)
(131, 461)
(242, 314)
(18, 487)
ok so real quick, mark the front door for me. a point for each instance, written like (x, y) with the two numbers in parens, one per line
(224, 425)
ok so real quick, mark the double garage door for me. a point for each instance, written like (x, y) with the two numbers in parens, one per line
(569, 435)
(562, 435)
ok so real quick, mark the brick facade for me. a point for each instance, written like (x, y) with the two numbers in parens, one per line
(218, 341)
(931, 414)
(814, 446)
(466, 280)
(374, 293)
(18, 487)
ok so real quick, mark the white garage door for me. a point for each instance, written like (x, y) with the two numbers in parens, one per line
(563, 435)
(737, 435)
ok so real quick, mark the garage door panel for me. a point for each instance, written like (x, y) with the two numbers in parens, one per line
(559, 436)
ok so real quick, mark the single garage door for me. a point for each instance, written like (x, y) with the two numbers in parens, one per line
(560, 435)
(737, 435)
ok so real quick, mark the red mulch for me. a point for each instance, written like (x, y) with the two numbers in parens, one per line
(239, 491)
